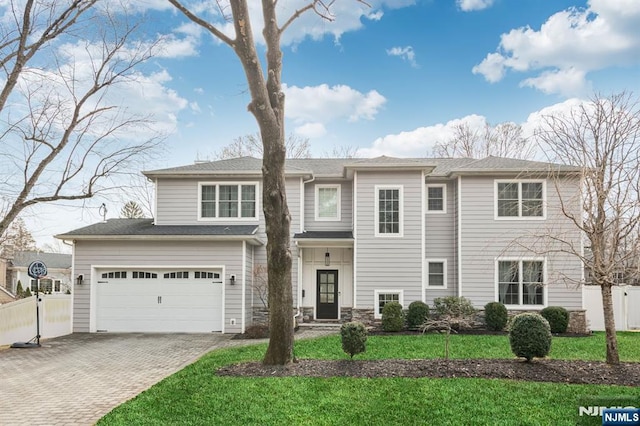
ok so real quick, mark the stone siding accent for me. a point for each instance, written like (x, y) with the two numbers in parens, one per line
(346, 314)
(260, 316)
(307, 314)
(578, 322)
(365, 316)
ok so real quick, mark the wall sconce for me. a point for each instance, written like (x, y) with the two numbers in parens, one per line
(327, 259)
(79, 279)
(232, 279)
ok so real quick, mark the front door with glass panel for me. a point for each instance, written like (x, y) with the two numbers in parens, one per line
(327, 295)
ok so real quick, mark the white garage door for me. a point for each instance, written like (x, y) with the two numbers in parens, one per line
(144, 300)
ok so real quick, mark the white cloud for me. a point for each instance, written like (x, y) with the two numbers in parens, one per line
(419, 142)
(323, 103)
(472, 5)
(568, 46)
(406, 53)
(311, 130)
(567, 82)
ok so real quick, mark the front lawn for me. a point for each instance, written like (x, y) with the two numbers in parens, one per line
(196, 396)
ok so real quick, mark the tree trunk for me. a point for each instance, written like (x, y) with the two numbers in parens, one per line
(277, 219)
(609, 325)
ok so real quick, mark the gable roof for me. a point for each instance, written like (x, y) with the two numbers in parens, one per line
(339, 167)
(22, 259)
(146, 229)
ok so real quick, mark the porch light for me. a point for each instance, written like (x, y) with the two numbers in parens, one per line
(79, 279)
(327, 258)
(232, 280)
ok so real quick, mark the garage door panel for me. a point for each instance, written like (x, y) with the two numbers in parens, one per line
(159, 304)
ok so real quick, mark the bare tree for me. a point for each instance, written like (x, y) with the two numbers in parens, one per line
(503, 140)
(131, 210)
(251, 145)
(261, 284)
(603, 138)
(344, 151)
(267, 106)
(63, 137)
(17, 238)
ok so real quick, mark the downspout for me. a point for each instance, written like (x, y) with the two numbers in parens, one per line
(459, 191)
(299, 296)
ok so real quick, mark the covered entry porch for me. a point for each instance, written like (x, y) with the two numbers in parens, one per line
(325, 271)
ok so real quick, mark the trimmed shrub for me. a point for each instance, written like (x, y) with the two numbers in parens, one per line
(558, 318)
(530, 336)
(27, 292)
(495, 315)
(354, 337)
(417, 314)
(19, 290)
(458, 312)
(257, 331)
(392, 317)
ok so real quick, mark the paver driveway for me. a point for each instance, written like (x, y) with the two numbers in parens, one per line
(77, 379)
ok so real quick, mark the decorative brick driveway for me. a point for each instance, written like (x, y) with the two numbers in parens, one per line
(77, 379)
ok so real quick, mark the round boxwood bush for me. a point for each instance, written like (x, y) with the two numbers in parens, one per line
(417, 314)
(392, 317)
(530, 336)
(495, 315)
(558, 318)
(354, 337)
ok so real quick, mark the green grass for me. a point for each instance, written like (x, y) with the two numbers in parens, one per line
(195, 396)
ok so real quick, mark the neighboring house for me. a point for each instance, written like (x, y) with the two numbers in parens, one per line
(364, 232)
(58, 279)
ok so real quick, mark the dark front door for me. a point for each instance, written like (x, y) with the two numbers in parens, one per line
(327, 295)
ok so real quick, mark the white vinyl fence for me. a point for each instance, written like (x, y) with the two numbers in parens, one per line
(626, 307)
(18, 319)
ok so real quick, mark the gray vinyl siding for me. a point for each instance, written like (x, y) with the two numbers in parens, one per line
(485, 239)
(440, 241)
(177, 201)
(346, 207)
(388, 263)
(88, 254)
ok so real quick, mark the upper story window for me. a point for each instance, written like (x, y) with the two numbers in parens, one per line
(388, 219)
(437, 198)
(327, 202)
(228, 201)
(520, 199)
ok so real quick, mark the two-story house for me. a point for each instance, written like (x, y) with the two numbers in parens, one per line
(364, 232)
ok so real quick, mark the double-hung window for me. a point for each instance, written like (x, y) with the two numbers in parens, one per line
(388, 219)
(436, 198)
(520, 199)
(228, 201)
(436, 273)
(521, 282)
(328, 202)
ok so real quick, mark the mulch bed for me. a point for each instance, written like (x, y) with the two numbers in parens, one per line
(539, 370)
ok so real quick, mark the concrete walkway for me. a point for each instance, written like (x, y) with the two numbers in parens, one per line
(77, 379)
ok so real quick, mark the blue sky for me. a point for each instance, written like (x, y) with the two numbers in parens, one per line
(389, 80)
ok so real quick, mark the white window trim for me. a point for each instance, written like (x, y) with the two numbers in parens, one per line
(444, 278)
(376, 213)
(444, 197)
(227, 219)
(376, 293)
(317, 202)
(520, 182)
(545, 286)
